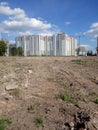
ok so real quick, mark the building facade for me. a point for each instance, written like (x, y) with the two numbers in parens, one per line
(57, 45)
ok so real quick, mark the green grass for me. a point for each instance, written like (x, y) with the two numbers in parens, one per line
(66, 97)
(4, 123)
(96, 101)
(78, 61)
(39, 121)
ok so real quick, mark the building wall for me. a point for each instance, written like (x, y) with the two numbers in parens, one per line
(57, 45)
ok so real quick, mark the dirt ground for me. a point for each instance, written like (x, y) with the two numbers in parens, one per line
(49, 93)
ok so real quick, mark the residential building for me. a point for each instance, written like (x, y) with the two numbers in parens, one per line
(57, 45)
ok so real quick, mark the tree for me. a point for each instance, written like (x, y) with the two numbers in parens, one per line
(16, 51)
(19, 51)
(89, 53)
(3, 47)
(78, 50)
(13, 51)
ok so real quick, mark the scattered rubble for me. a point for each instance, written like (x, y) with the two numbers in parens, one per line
(11, 87)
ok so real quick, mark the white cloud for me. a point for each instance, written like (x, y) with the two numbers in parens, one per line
(12, 41)
(87, 47)
(47, 32)
(4, 3)
(94, 25)
(93, 31)
(25, 33)
(18, 22)
(6, 10)
(67, 23)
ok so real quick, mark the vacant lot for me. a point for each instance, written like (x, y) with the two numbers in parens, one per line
(48, 93)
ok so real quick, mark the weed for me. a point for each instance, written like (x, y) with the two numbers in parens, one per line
(77, 60)
(93, 94)
(50, 79)
(66, 97)
(96, 101)
(16, 92)
(30, 109)
(74, 102)
(4, 123)
(39, 121)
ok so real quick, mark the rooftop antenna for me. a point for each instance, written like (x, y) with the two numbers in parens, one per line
(80, 36)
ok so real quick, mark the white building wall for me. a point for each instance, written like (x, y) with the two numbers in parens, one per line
(54, 45)
(57, 45)
(41, 45)
(45, 44)
(75, 47)
(50, 43)
(63, 47)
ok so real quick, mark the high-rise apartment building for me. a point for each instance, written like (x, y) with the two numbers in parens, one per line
(57, 45)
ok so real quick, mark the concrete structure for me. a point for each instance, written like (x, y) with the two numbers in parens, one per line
(57, 45)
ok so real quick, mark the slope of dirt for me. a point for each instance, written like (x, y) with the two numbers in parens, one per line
(49, 93)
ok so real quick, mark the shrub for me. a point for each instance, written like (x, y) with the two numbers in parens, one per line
(4, 123)
(3, 47)
(66, 97)
(39, 121)
(96, 101)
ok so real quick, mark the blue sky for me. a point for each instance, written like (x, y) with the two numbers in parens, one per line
(74, 17)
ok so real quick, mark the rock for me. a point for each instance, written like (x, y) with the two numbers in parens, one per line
(71, 124)
(30, 71)
(6, 98)
(11, 87)
(63, 126)
(95, 120)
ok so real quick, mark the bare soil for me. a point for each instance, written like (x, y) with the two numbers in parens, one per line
(36, 103)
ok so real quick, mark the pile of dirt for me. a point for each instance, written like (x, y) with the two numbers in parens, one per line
(49, 93)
